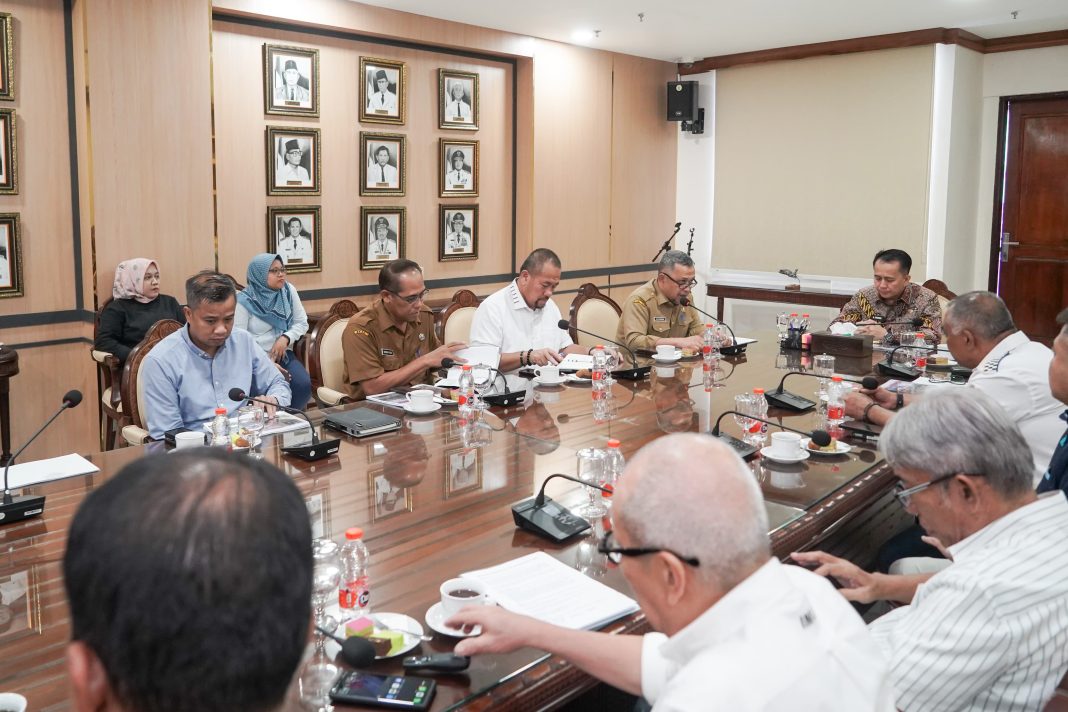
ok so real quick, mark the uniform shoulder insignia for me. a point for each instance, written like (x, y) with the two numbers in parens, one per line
(360, 332)
(639, 301)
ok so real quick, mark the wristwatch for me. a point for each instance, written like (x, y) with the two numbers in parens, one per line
(900, 401)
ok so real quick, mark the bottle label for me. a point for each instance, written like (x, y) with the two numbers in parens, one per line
(354, 594)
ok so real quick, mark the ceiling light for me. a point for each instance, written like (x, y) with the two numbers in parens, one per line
(582, 35)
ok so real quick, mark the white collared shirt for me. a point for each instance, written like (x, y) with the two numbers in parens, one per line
(782, 640)
(990, 631)
(504, 320)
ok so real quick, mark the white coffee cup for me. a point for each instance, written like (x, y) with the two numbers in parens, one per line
(421, 400)
(548, 374)
(193, 438)
(785, 444)
(12, 701)
(665, 371)
(459, 593)
(421, 426)
(666, 351)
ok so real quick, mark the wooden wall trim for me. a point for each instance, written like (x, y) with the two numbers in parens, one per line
(914, 38)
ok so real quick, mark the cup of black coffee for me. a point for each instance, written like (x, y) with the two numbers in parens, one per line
(459, 593)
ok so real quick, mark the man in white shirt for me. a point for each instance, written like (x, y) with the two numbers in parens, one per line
(296, 247)
(739, 630)
(380, 174)
(292, 173)
(382, 101)
(522, 319)
(987, 632)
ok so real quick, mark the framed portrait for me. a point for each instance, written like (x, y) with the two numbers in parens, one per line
(382, 235)
(290, 80)
(20, 605)
(458, 233)
(10, 256)
(292, 161)
(458, 168)
(383, 91)
(457, 100)
(463, 471)
(318, 505)
(389, 500)
(383, 170)
(293, 233)
(9, 157)
(7, 58)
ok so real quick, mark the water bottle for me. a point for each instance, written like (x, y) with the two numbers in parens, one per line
(467, 392)
(354, 592)
(599, 372)
(760, 410)
(710, 339)
(220, 428)
(836, 393)
(804, 322)
(613, 469)
(782, 322)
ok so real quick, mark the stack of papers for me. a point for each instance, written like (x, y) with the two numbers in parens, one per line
(485, 355)
(54, 468)
(562, 596)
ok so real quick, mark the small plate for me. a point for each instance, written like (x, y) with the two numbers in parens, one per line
(397, 622)
(549, 384)
(766, 452)
(409, 409)
(669, 359)
(435, 618)
(572, 378)
(842, 448)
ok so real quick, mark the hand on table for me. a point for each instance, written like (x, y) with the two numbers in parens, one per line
(270, 405)
(502, 631)
(433, 359)
(855, 403)
(871, 329)
(857, 584)
(545, 357)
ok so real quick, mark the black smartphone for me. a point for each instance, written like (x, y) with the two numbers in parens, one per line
(394, 691)
(867, 430)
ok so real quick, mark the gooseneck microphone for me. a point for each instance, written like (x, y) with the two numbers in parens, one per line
(634, 373)
(899, 371)
(318, 450)
(745, 450)
(735, 348)
(16, 509)
(355, 650)
(791, 401)
(667, 243)
(545, 517)
(504, 398)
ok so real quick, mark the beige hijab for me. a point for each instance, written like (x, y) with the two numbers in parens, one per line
(130, 279)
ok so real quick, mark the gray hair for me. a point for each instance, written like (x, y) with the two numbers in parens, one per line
(692, 494)
(672, 258)
(535, 261)
(208, 286)
(960, 430)
(982, 313)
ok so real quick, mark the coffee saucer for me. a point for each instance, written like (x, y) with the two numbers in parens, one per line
(420, 411)
(549, 384)
(668, 359)
(435, 618)
(766, 452)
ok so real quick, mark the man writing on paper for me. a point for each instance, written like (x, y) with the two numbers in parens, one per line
(701, 568)
(653, 315)
(522, 319)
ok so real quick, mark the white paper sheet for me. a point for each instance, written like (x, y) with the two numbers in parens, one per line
(54, 468)
(485, 355)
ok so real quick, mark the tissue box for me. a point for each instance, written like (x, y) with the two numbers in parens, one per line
(824, 342)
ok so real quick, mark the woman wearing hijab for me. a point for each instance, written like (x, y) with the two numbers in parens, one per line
(135, 307)
(270, 310)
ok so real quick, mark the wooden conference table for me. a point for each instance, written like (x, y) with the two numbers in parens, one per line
(434, 501)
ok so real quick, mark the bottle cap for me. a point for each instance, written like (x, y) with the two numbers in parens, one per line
(220, 411)
(805, 315)
(354, 533)
(710, 325)
(613, 443)
(836, 378)
(599, 346)
(793, 313)
(466, 367)
(758, 391)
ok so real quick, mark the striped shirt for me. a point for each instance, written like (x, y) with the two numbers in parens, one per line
(990, 632)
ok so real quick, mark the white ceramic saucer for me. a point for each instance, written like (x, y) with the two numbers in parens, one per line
(409, 409)
(435, 618)
(842, 448)
(669, 359)
(766, 452)
(549, 384)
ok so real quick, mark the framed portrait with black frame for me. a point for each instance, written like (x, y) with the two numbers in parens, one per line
(7, 58)
(383, 91)
(457, 100)
(381, 235)
(9, 155)
(293, 232)
(458, 233)
(383, 169)
(458, 168)
(10, 256)
(290, 81)
(292, 161)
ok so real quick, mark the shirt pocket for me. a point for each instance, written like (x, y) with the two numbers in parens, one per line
(659, 325)
(392, 362)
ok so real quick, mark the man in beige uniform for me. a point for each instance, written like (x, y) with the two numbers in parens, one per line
(392, 343)
(652, 314)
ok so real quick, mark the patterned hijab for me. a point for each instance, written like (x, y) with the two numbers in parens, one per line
(273, 306)
(130, 279)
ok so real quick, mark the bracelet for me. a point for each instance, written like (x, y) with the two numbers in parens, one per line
(868, 408)
(522, 359)
(530, 361)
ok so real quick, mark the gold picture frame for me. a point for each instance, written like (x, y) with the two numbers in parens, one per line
(456, 244)
(290, 81)
(457, 109)
(386, 499)
(10, 255)
(376, 249)
(457, 168)
(376, 177)
(463, 471)
(284, 176)
(7, 57)
(21, 615)
(301, 249)
(9, 154)
(383, 103)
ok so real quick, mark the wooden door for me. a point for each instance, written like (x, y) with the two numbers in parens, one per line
(1029, 250)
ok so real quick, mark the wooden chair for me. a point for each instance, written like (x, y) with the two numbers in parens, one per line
(939, 287)
(108, 379)
(133, 402)
(595, 311)
(453, 323)
(326, 360)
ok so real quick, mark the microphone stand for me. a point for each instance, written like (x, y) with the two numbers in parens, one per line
(689, 245)
(546, 517)
(745, 450)
(634, 373)
(318, 450)
(667, 243)
(735, 348)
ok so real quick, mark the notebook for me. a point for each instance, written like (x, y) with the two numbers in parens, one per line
(361, 422)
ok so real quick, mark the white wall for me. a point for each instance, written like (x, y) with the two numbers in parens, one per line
(696, 184)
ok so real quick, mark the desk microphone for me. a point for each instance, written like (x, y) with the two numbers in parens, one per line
(791, 401)
(735, 348)
(667, 243)
(634, 373)
(545, 517)
(897, 370)
(745, 450)
(15, 509)
(356, 650)
(318, 450)
(505, 398)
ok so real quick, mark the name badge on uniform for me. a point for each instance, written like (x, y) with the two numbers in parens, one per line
(660, 318)
(387, 352)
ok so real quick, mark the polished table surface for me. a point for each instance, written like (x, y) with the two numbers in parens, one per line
(434, 501)
(808, 297)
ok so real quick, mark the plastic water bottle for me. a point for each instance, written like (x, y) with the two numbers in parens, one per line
(599, 372)
(710, 340)
(354, 593)
(613, 469)
(782, 322)
(836, 393)
(220, 428)
(758, 429)
(467, 392)
(804, 322)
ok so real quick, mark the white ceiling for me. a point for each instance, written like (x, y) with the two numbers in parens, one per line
(685, 30)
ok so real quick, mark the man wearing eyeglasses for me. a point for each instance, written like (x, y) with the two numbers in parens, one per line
(988, 631)
(653, 314)
(700, 566)
(392, 343)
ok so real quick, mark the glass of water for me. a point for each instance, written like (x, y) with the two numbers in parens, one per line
(482, 379)
(823, 366)
(326, 575)
(743, 407)
(250, 423)
(591, 470)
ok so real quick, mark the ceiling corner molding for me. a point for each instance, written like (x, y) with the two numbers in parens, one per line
(1033, 41)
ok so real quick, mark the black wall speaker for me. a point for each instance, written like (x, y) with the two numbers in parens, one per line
(682, 101)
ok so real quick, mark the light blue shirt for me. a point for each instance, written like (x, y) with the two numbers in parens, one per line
(183, 386)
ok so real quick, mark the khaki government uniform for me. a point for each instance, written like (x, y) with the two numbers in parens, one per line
(648, 315)
(373, 345)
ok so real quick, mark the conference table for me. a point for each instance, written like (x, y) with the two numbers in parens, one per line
(434, 501)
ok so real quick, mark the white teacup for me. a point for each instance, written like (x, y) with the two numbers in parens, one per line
(421, 426)
(459, 593)
(193, 438)
(665, 371)
(421, 400)
(548, 374)
(12, 701)
(785, 445)
(666, 351)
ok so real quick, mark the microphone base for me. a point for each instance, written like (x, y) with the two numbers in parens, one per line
(21, 508)
(314, 452)
(902, 373)
(734, 350)
(505, 399)
(551, 520)
(743, 449)
(788, 400)
(632, 374)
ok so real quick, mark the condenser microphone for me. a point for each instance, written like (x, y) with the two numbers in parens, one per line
(735, 348)
(546, 517)
(791, 401)
(16, 509)
(318, 450)
(634, 373)
(745, 450)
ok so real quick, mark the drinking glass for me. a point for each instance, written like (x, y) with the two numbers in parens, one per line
(721, 339)
(823, 366)
(250, 423)
(315, 680)
(612, 362)
(591, 468)
(743, 406)
(326, 575)
(482, 379)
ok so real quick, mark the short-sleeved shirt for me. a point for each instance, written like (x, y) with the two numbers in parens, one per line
(915, 301)
(372, 345)
(648, 315)
(504, 320)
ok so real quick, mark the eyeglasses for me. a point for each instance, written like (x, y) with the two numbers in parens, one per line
(412, 299)
(683, 283)
(904, 495)
(276, 270)
(615, 554)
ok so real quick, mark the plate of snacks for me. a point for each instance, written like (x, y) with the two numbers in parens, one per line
(391, 634)
(836, 447)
